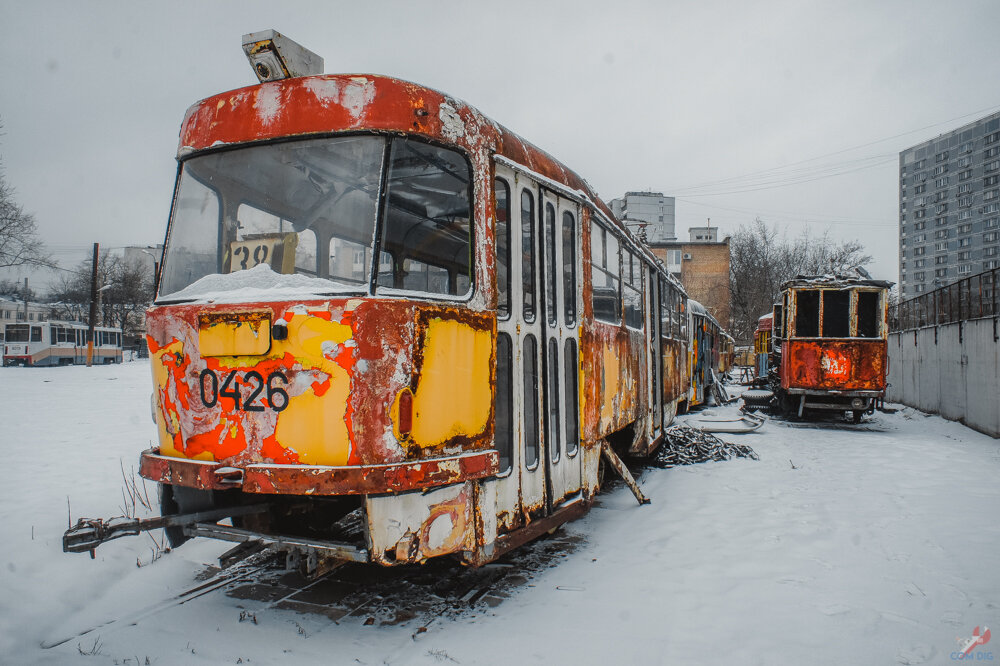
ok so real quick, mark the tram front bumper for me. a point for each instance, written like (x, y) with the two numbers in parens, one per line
(319, 480)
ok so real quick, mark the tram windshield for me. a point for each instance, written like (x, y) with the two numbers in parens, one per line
(307, 216)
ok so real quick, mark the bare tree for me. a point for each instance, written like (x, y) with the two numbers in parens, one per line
(823, 255)
(15, 289)
(126, 290)
(19, 242)
(130, 292)
(757, 260)
(761, 260)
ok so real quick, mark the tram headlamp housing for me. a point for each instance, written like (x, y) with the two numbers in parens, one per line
(274, 56)
(859, 403)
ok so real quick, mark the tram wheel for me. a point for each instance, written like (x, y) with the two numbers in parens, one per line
(168, 506)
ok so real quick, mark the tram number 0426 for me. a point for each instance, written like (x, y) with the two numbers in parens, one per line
(275, 396)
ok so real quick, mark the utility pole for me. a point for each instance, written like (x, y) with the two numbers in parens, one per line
(93, 307)
(25, 299)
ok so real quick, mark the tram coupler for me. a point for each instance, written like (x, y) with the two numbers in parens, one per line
(89, 533)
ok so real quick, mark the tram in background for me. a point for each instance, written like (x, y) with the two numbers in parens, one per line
(762, 346)
(712, 353)
(48, 343)
(389, 329)
(830, 338)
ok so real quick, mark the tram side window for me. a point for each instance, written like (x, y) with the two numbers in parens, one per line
(427, 224)
(570, 362)
(605, 275)
(552, 400)
(569, 267)
(528, 255)
(36, 333)
(868, 314)
(776, 321)
(807, 313)
(632, 289)
(666, 309)
(504, 403)
(502, 192)
(784, 315)
(836, 313)
(530, 383)
(551, 311)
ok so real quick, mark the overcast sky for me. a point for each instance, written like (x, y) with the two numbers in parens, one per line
(725, 105)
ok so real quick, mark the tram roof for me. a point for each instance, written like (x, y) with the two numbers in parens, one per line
(333, 103)
(834, 282)
(328, 103)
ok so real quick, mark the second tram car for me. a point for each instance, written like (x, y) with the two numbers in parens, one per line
(711, 352)
(47, 343)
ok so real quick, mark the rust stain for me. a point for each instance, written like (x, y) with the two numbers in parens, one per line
(445, 529)
(834, 364)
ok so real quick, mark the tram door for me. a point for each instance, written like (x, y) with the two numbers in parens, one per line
(560, 354)
(653, 319)
(537, 358)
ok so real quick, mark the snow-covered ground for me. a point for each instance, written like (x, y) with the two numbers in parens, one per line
(871, 545)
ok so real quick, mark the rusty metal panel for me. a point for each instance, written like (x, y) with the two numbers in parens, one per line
(612, 361)
(416, 526)
(344, 103)
(834, 364)
(328, 393)
(319, 480)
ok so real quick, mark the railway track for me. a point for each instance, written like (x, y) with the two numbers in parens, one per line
(363, 594)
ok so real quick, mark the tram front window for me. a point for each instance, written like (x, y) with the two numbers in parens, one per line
(17, 332)
(255, 217)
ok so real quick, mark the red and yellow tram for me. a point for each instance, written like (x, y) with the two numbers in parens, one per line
(406, 328)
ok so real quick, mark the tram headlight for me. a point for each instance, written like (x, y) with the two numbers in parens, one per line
(859, 403)
(274, 56)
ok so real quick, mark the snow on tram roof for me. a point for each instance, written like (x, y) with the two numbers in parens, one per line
(835, 281)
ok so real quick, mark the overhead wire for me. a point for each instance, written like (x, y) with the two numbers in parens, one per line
(777, 171)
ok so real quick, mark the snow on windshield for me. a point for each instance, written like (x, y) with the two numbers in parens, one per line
(259, 283)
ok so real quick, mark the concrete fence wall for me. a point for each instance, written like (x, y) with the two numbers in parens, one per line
(952, 370)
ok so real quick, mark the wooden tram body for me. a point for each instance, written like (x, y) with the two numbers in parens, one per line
(52, 343)
(830, 335)
(379, 308)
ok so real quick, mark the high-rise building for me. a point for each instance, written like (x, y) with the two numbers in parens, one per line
(649, 215)
(949, 207)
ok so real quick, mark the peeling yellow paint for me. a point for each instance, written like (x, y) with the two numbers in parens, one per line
(453, 393)
(161, 377)
(249, 337)
(315, 425)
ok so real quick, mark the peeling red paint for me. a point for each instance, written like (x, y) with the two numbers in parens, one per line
(847, 365)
